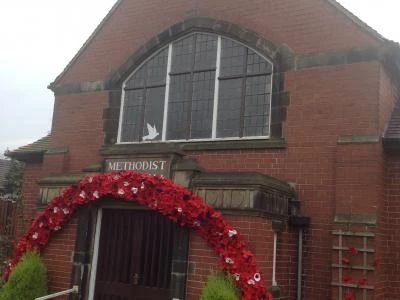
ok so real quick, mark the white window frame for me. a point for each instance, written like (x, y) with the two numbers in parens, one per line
(216, 96)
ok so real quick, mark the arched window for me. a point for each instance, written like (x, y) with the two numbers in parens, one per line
(200, 87)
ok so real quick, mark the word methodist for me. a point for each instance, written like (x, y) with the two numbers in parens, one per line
(142, 165)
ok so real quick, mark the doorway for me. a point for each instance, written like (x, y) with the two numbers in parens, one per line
(135, 251)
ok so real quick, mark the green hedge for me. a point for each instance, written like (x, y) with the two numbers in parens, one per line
(219, 287)
(27, 281)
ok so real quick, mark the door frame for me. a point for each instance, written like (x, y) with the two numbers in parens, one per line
(179, 268)
(93, 270)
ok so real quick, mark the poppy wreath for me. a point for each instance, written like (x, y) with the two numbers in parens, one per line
(161, 195)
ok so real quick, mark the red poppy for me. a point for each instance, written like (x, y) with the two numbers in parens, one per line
(353, 251)
(349, 296)
(161, 195)
(347, 279)
(377, 262)
(362, 282)
(346, 260)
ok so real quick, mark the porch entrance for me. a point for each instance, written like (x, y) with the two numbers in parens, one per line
(135, 254)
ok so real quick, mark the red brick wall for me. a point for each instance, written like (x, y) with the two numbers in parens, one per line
(304, 25)
(58, 256)
(391, 220)
(258, 234)
(325, 103)
(30, 195)
(77, 125)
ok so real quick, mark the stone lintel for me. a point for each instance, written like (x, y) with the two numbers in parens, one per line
(361, 219)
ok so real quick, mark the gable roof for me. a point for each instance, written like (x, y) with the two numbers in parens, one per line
(31, 152)
(356, 20)
(4, 168)
(86, 43)
(361, 24)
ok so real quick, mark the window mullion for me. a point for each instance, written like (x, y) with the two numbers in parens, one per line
(166, 99)
(216, 90)
(121, 114)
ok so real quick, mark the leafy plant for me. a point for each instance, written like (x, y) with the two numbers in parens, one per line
(27, 281)
(219, 287)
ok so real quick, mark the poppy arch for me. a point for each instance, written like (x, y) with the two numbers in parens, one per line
(175, 202)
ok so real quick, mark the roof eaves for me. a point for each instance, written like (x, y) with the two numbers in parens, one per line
(85, 45)
(32, 152)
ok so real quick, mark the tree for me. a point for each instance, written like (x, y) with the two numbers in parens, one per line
(14, 178)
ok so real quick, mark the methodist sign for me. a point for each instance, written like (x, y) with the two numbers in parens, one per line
(160, 166)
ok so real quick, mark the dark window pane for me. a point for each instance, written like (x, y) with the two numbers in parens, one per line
(157, 69)
(256, 64)
(229, 107)
(206, 51)
(232, 58)
(154, 113)
(179, 106)
(182, 55)
(137, 80)
(202, 105)
(257, 104)
(133, 110)
(151, 73)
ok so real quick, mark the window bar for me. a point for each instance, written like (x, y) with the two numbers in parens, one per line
(216, 90)
(241, 129)
(270, 100)
(166, 98)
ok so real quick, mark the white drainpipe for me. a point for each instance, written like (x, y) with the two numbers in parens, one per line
(274, 260)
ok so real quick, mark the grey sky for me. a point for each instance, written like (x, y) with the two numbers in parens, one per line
(39, 38)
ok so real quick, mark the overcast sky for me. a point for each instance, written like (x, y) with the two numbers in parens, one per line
(39, 38)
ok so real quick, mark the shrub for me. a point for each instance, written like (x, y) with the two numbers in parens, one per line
(27, 281)
(219, 287)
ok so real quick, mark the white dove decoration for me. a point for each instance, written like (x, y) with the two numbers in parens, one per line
(152, 132)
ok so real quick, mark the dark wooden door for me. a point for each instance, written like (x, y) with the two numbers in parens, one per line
(135, 254)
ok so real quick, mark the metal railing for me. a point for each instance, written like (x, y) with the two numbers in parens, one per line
(74, 289)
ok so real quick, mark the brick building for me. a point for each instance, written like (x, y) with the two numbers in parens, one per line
(280, 113)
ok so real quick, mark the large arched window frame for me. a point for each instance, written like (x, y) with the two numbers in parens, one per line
(200, 87)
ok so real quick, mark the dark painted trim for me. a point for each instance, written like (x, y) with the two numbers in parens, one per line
(391, 146)
(27, 156)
